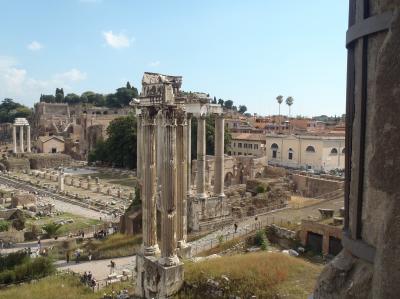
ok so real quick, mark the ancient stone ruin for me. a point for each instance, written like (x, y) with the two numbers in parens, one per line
(369, 264)
(164, 114)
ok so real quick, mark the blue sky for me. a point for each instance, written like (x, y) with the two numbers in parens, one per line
(246, 51)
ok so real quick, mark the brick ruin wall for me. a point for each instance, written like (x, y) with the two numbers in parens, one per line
(312, 186)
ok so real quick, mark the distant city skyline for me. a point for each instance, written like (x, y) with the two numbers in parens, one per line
(247, 52)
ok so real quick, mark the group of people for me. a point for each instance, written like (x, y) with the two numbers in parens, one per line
(100, 234)
(88, 279)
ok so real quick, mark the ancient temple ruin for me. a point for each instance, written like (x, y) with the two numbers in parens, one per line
(163, 147)
(21, 123)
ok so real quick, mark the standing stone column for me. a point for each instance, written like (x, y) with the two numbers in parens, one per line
(61, 182)
(14, 139)
(148, 175)
(21, 138)
(138, 147)
(160, 142)
(219, 156)
(28, 138)
(189, 154)
(169, 191)
(201, 156)
(181, 160)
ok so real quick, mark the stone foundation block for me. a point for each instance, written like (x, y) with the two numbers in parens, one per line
(157, 281)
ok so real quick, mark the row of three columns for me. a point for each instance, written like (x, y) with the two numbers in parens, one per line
(168, 132)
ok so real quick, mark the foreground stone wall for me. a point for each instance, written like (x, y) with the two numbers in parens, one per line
(369, 264)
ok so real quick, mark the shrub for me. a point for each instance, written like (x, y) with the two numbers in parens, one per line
(13, 259)
(30, 269)
(260, 189)
(4, 225)
(51, 229)
(261, 240)
(19, 222)
(7, 277)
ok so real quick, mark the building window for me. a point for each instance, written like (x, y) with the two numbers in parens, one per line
(245, 145)
(290, 154)
(239, 153)
(334, 151)
(274, 154)
(234, 144)
(239, 145)
(274, 146)
(53, 150)
(310, 149)
(251, 146)
(256, 146)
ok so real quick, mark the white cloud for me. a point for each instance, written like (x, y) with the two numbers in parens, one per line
(16, 83)
(117, 41)
(154, 63)
(35, 46)
(72, 75)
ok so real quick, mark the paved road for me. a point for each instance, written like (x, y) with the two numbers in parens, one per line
(287, 214)
(99, 268)
(61, 203)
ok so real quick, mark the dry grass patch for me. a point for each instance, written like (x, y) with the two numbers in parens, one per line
(58, 286)
(116, 245)
(263, 274)
(222, 246)
(301, 202)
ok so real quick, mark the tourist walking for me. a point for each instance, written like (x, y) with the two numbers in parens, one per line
(112, 267)
(236, 227)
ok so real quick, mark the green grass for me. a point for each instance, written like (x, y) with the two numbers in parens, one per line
(116, 245)
(263, 274)
(64, 286)
(78, 224)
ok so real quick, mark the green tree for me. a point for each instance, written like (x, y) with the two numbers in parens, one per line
(120, 147)
(289, 102)
(221, 102)
(59, 98)
(228, 104)
(242, 109)
(9, 110)
(279, 99)
(72, 99)
(47, 98)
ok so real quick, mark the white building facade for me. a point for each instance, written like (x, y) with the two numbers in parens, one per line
(319, 153)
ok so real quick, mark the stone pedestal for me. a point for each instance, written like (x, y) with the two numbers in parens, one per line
(155, 280)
